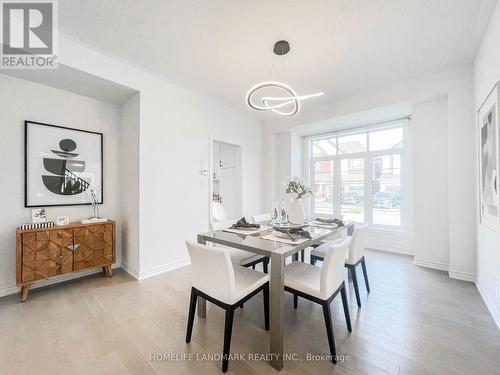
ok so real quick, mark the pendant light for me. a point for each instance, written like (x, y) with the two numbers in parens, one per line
(276, 96)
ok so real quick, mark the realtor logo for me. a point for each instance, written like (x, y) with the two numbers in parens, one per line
(28, 34)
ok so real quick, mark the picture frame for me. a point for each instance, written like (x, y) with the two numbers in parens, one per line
(489, 160)
(60, 164)
(38, 215)
(62, 220)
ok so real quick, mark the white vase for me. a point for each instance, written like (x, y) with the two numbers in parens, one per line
(296, 213)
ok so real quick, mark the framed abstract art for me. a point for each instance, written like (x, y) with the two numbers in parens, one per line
(61, 165)
(489, 160)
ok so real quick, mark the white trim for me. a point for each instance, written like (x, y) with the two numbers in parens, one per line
(360, 128)
(13, 289)
(391, 249)
(464, 276)
(165, 268)
(430, 264)
(131, 271)
(213, 139)
(8, 290)
(490, 305)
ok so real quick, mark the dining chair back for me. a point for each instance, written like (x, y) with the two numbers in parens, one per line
(321, 285)
(206, 259)
(358, 243)
(215, 279)
(241, 257)
(332, 272)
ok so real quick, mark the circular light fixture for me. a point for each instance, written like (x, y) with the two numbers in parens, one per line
(277, 104)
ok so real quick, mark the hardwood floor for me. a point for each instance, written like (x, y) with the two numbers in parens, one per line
(415, 321)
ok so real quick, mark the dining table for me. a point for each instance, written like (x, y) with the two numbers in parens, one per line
(277, 250)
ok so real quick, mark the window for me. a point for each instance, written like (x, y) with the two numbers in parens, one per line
(323, 184)
(324, 147)
(386, 190)
(353, 189)
(352, 143)
(359, 175)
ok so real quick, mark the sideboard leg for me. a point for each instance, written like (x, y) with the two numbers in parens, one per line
(24, 292)
(108, 271)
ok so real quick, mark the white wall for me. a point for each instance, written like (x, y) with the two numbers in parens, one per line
(129, 188)
(430, 163)
(283, 155)
(22, 100)
(174, 147)
(175, 130)
(486, 73)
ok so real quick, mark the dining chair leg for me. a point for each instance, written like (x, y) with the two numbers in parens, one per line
(296, 256)
(192, 310)
(365, 274)
(228, 328)
(253, 267)
(355, 284)
(346, 308)
(265, 265)
(313, 259)
(302, 255)
(266, 307)
(329, 330)
(295, 301)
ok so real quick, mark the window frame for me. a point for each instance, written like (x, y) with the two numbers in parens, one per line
(368, 157)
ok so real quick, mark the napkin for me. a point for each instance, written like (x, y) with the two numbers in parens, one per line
(294, 232)
(243, 223)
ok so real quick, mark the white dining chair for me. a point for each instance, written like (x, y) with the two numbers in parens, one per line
(261, 218)
(354, 257)
(240, 257)
(218, 280)
(321, 285)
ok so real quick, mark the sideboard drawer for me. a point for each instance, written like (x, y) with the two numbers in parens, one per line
(46, 253)
(93, 246)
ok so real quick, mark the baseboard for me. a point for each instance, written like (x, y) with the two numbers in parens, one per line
(430, 264)
(130, 270)
(7, 290)
(391, 249)
(13, 289)
(492, 308)
(464, 276)
(165, 268)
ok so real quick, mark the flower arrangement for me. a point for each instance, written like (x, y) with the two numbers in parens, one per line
(296, 186)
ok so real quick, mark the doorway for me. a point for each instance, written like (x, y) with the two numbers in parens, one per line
(226, 180)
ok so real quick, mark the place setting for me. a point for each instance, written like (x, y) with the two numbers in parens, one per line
(242, 226)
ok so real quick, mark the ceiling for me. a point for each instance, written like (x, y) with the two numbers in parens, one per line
(220, 48)
(73, 80)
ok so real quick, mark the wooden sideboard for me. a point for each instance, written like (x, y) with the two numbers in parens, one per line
(48, 252)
